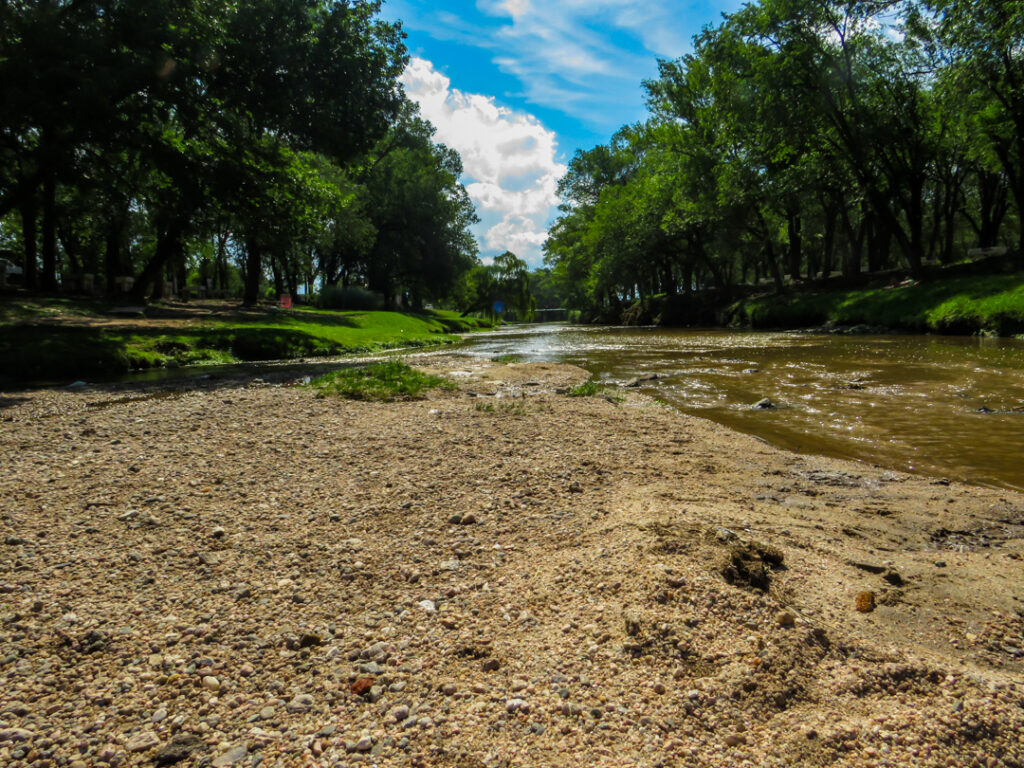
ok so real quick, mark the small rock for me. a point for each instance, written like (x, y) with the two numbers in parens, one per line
(516, 705)
(490, 665)
(179, 748)
(735, 739)
(142, 742)
(159, 716)
(469, 519)
(659, 688)
(211, 683)
(365, 744)
(427, 605)
(785, 619)
(362, 686)
(267, 712)
(400, 713)
(866, 602)
(301, 702)
(233, 756)
(765, 403)
(16, 734)
(310, 640)
(219, 532)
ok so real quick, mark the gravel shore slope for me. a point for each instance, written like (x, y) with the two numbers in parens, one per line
(238, 573)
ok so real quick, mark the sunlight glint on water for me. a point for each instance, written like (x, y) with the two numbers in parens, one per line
(945, 406)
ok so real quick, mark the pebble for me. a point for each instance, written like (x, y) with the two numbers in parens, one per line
(267, 713)
(233, 756)
(159, 716)
(490, 665)
(365, 744)
(211, 683)
(400, 713)
(427, 605)
(785, 619)
(516, 705)
(142, 742)
(301, 702)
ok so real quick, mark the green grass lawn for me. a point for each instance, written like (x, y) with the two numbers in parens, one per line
(55, 340)
(985, 304)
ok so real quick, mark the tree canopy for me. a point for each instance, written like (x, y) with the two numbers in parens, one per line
(803, 138)
(228, 143)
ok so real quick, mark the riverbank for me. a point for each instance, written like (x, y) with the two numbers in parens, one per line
(986, 304)
(501, 575)
(58, 340)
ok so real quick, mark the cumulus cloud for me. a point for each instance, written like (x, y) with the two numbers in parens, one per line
(508, 157)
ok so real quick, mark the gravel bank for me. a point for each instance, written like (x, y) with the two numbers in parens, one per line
(237, 573)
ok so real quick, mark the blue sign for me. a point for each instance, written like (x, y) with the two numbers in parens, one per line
(499, 307)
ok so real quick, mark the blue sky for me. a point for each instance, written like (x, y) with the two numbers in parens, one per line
(517, 86)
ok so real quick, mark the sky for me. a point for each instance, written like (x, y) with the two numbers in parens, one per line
(517, 86)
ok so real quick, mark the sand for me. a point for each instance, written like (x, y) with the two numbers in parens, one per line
(234, 572)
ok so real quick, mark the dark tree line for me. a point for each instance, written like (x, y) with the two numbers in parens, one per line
(234, 143)
(803, 138)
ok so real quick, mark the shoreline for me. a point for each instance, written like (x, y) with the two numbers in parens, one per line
(291, 548)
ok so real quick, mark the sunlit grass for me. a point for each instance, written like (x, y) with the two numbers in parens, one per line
(389, 380)
(988, 304)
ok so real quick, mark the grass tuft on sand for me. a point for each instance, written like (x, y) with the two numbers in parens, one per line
(386, 381)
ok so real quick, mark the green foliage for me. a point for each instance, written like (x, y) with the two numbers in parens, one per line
(508, 407)
(797, 140)
(507, 280)
(987, 304)
(594, 388)
(390, 380)
(34, 348)
(254, 147)
(352, 297)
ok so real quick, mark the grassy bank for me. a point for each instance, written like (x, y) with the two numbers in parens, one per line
(57, 340)
(966, 305)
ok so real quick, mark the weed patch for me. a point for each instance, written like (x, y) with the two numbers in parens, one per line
(390, 380)
(593, 388)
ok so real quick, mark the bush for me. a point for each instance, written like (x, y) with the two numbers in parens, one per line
(352, 297)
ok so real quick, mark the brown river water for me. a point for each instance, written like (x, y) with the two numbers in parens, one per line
(950, 407)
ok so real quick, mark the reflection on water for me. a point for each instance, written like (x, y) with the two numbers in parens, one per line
(946, 406)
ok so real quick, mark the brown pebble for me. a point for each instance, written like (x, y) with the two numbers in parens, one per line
(490, 665)
(362, 686)
(785, 619)
(866, 602)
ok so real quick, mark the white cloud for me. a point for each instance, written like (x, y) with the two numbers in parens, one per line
(508, 157)
(574, 55)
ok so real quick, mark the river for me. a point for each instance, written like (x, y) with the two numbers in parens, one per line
(950, 407)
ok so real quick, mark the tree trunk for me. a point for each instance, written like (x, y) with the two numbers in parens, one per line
(795, 252)
(854, 245)
(253, 267)
(49, 276)
(30, 235)
(220, 269)
(275, 269)
(993, 206)
(112, 262)
(829, 243)
(291, 279)
(168, 245)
